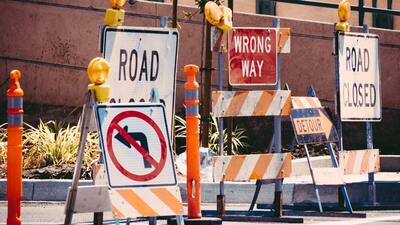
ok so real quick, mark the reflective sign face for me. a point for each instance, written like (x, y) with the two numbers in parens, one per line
(136, 146)
(359, 77)
(252, 56)
(142, 59)
(313, 125)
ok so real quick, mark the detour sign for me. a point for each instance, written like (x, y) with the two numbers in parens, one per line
(313, 125)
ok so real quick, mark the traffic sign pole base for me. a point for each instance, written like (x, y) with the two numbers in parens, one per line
(199, 221)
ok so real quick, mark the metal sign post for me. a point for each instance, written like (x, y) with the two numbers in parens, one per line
(278, 201)
(370, 145)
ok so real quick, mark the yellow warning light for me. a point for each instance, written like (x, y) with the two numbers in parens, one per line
(225, 23)
(97, 72)
(344, 10)
(117, 4)
(212, 13)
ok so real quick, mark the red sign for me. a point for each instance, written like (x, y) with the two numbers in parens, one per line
(158, 165)
(252, 56)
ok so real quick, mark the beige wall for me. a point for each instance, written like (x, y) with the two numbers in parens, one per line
(52, 44)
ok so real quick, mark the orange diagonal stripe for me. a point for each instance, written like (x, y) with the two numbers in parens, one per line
(233, 167)
(236, 103)
(365, 161)
(137, 202)
(117, 213)
(286, 166)
(261, 166)
(263, 104)
(169, 199)
(350, 162)
(287, 107)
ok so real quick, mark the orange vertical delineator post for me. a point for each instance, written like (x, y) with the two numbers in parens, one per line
(192, 142)
(14, 148)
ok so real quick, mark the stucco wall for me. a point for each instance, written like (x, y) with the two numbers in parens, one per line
(51, 42)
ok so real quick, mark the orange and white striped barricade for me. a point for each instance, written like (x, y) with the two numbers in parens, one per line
(244, 168)
(251, 103)
(357, 162)
(252, 167)
(141, 202)
(312, 125)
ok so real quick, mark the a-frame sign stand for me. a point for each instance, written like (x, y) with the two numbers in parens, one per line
(80, 196)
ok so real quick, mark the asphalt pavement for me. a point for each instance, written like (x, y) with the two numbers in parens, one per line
(46, 213)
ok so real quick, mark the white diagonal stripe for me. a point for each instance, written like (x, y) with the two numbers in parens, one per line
(122, 205)
(274, 166)
(250, 103)
(154, 202)
(221, 163)
(277, 103)
(247, 168)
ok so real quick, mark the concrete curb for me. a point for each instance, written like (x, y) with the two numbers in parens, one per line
(296, 191)
(303, 193)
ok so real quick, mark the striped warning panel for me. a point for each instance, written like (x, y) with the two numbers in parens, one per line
(252, 167)
(251, 103)
(141, 202)
(284, 40)
(305, 102)
(359, 161)
(146, 202)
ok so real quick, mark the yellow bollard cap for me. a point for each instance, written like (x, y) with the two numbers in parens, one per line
(212, 13)
(98, 70)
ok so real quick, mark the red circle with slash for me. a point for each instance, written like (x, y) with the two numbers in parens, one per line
(158, 165)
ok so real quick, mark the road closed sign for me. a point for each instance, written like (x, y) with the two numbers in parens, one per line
(252, 56)
(142, 59)
(136, 145)
(359, 77)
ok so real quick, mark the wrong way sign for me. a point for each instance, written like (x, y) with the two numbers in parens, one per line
(252, 56)
(359, 77)
(142, 59)
(136, 145)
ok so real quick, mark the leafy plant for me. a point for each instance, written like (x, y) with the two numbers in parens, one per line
(239, 137)
(49, 144)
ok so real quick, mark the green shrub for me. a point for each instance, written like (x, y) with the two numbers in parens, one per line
(51, 145)
(239, 138)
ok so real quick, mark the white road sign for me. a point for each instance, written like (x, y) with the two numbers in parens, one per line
(359, 77)
(136, 145)
(142, 59)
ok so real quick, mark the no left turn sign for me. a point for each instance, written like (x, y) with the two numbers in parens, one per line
(136, 145)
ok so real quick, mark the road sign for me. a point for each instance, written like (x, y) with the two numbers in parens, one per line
(142, 59)
(252, 56)
(136, 145)
(359, 77)
(313, 125)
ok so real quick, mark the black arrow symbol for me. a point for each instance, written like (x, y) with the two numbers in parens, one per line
(138, 136)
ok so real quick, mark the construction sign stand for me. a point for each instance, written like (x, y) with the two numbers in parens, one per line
(313, 125)
(271, 167)
(369, 110)
(89, 198)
